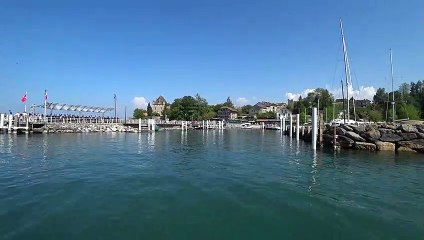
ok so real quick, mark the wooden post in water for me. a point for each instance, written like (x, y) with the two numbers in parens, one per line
(321, 129)
(314, 128)
(139, 125)
(1, 120)
(9, 128)
(297, 126)
(281, 123)
(291, 126)
(284, 125)
(153, 125)
(334, 137)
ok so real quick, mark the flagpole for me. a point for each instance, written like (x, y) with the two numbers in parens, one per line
(114, 97)
(45, 105)
(26, 96)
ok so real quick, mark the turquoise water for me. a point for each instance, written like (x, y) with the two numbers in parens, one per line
(232, 184)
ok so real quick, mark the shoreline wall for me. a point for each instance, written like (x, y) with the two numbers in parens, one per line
(84, 128)
(378, 137)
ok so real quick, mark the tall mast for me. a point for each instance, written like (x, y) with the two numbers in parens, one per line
(393, 92)
(344, 110)
(347, 68)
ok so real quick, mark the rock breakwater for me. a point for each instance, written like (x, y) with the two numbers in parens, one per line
(85, 128)
(383, 137)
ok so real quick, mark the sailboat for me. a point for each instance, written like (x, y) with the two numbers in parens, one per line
(348, 78)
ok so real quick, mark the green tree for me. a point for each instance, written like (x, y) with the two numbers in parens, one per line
(217, 107)
(191, 108)
(380, 97)
(375, 116)
(149, 110)
(404, 111)
(266, 115)
(139, 113)
(245, 109)
(417, 96)
(166, 111)
(229, 103)
(326, 99)
(404, 90)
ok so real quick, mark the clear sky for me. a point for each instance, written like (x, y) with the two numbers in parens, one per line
(83, 51)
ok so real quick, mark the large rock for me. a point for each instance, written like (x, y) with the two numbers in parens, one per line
(346, 127)
(420, 128)
(420, 135)
(390, 137)
(408, 136)
(370, 127)
(385, 146)
(371, 135)
(417, 144)
(340, 131)
(345, 142)
(365, 146)
(354, 136)
(405, 149)
(386, 130)
(407, 128)
(389, 126)
(328, 140)
(358, 129)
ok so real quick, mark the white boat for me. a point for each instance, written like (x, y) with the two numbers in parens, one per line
(246, 126)
(338, 121)
(273, 128)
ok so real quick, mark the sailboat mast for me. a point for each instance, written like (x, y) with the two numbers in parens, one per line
(393, 92)
(344, 110)
(347, 68)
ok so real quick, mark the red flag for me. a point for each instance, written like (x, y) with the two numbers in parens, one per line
(24, 98)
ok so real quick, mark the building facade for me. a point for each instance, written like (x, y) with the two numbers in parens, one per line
(264, 107)
(159, 105)
(227, 113)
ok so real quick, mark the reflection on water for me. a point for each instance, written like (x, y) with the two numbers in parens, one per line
(151, 140)
(183, 137)
(45, 147)
(250, 182)
(140, 144)
(314, 169)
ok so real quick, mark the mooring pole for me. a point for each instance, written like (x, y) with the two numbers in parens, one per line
(321, 129)
(334, 137)
(9, 128)
(291, 126)
(297, 126)
(281, 123)
(314, 128)
(1, 120)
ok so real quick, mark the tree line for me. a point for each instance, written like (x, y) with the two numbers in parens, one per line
(409, 104)
(189, 108)
(408, 99)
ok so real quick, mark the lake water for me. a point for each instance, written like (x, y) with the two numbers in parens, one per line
(231, 184)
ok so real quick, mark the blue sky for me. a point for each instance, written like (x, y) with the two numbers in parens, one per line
(83, 52)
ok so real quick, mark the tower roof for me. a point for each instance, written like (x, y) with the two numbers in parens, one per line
(160, 101)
